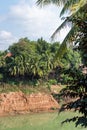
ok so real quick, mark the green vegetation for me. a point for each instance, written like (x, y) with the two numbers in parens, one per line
(27, 89)
(38, 62)
(76, 17)
(45, 121)
(32, 63)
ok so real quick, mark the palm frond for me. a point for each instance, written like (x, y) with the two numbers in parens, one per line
(67, 6)
(77, 6)
(64, 24)
(45, 2)
(80, 10)
(65, 43)
(73, 6)
(67, 20)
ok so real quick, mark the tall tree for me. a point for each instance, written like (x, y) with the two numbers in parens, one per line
(74, 9)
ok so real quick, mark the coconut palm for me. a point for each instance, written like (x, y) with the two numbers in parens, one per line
(74, 9)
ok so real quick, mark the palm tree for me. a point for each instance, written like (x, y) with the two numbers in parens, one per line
(35, 66)
(16, 66)
(75, 9)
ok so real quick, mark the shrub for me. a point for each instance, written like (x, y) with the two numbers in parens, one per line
(52, 81)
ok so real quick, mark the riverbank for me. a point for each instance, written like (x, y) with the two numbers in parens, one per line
(19, 103)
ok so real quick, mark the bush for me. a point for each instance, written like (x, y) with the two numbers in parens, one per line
(1, 77)
(66, 79)
(52, 81)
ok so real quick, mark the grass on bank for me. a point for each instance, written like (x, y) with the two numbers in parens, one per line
(29, 87)
(24, 88)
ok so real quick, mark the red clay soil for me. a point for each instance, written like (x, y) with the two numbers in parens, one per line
(18, 102)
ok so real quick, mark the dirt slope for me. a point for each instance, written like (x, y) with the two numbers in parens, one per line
(18, 102)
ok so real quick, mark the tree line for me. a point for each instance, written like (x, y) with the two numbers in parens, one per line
(34, 60)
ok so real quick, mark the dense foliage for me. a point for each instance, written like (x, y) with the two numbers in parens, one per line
(34, 60)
